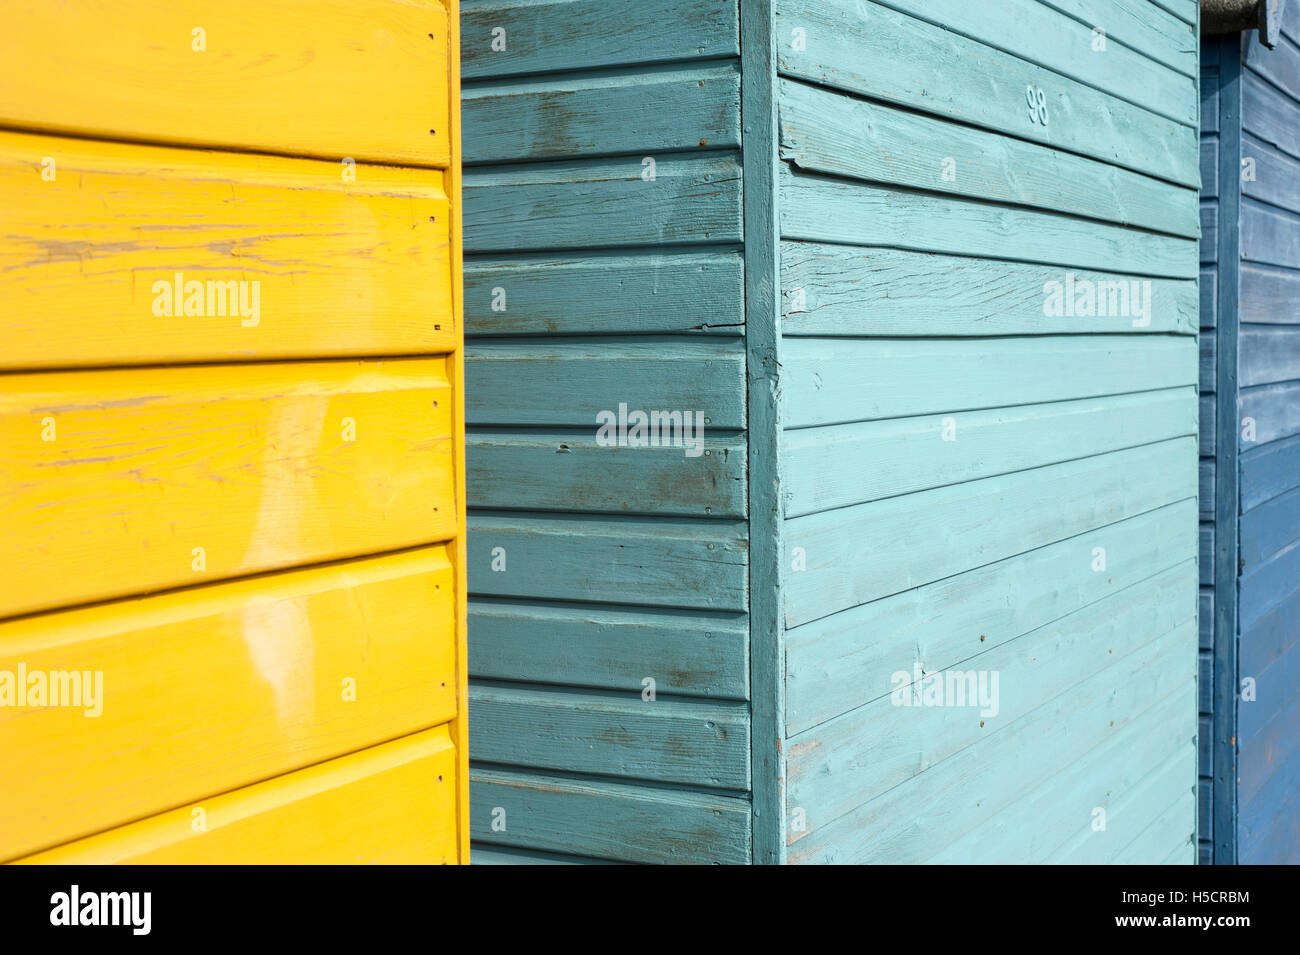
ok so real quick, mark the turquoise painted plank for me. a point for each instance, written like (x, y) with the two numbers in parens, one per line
(842, 290)
(845, 660)
(1275, 410)
(646, 111)
(917, 539)
(1268, 471)
(570, 471)
(687, 654)
(1175, 827)
(569, 383)
(825, 209)
(828, 132)
(542, 36)
(603, 203)
(838, 381)
(851, 759)
(1056, 821)
(919, 817)
(825, 468)
(611, 734)
(1185, 10)
(871, 50)
(1270, 528)
(669, 562)
(934, 534)
(608, 820)
(1270, 236)
(610, 294)
(493, 855)
(1269, 295)
(1034, 32)
(1140, 26)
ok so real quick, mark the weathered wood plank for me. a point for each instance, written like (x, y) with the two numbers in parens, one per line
(267, 77)
(825, 468)
(845, 660)
(264, 658)
(1271, 636)
(282, 257)
(1205, 489)
(1209, 167)
(613, 294)
(842, 290)
(938, 533)
(1268, 471)
(685, 654)
(570, 471)
(567, 384)
(1268, 585)
(1269, 355)
(827, 132)
(670, 562)
(122, 482)
(1270, 115)
(608, 820)
(1209, 248)
(869, 49)
(1208, 417)
(1269, 296)
(830, 381)
(1210, 296)
(612, 734)
(1140, 26)
(1275, 409)
(1207, 377)
(1035, 32)
(913, 820)
(825, 209)
(538, 36)
(1270, 236)
(1270, 175)
(646, 111)
(606, 203)
(853, 758)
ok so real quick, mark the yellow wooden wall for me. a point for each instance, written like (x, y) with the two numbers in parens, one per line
(247, 522)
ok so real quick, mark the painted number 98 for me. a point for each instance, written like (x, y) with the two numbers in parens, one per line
(1037, 100)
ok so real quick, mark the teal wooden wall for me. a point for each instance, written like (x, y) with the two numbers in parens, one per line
(862, 274)
(1253, 799)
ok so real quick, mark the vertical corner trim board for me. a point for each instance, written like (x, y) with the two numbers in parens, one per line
(232, 455)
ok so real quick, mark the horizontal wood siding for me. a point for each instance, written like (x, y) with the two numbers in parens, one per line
(1268, 718)
(609, 584)
(960, 457)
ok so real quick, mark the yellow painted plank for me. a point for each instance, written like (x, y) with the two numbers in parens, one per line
(208, 689)
(122, 482)
(393, 803)
(359, 78)
(94, 245)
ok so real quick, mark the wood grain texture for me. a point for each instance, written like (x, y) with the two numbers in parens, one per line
(846, 290)
(615, 734)
(1275, 410)
(265, 660)
(408, 789)
(539, 34)
(251, 463)
(838, 381)
(339, 268)
(1268, 471)
(569, 471)
(845, 660)
(603, 203)
(1269, 295)
(609, 820)
(268, 78)
(645, 111)
(825, 209)
(568, 383)
(938, 533)
(669, 562)
(848, 464)
(1143, 27)
(868, 49)
(686, 654)
(614, 293)
(828, 132)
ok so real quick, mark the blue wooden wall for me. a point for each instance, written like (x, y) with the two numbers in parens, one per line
(913, 460)
(1254, 801)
